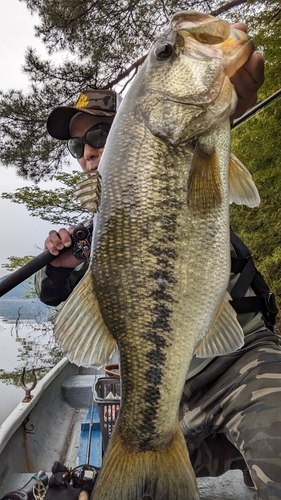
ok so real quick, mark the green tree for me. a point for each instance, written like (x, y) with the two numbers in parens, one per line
(258, 146)
(14, 264)
(103, 43)
(58, 206)
(106, 42)
(257, 143)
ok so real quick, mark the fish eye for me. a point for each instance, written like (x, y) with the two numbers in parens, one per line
(164, 51)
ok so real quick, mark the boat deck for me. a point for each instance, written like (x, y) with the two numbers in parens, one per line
(70, 407)
(230, 486)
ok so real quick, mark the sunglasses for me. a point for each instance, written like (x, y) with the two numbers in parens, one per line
(95, 137)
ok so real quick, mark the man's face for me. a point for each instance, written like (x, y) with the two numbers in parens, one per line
(91, 157)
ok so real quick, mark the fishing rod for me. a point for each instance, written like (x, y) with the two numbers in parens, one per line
(81, 244)
(88, 195)
(256, 108)
(46, 257)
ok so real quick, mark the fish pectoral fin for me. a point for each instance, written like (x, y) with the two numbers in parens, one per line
(80, 329)
(225, 335)
(242, 189)
(204, 185)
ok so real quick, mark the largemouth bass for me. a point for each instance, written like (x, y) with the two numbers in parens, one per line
(160, 264)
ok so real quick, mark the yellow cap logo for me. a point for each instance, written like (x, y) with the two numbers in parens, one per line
(82, 101)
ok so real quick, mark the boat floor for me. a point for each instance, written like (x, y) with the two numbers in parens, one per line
(230, 486)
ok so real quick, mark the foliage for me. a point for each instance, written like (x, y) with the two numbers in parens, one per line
(58, 206)
(14, 264)
(103, 44)
(257, 143)
(100, 44)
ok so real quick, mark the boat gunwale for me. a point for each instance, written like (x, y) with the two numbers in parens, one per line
(18, 415)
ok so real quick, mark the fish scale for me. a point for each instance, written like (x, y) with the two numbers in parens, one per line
(160, 262)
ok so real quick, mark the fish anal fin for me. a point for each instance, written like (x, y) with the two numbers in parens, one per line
(242, 189)
(204, 184)
(80, 329)
(161, 474)
(224, 336)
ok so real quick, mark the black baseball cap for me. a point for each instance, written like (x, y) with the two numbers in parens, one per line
(91, 102)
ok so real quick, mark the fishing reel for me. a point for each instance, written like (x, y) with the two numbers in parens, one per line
(61, 475)
(82, 238)
(83, 476)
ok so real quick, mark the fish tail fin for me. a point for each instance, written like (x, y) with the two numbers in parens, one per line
(161, 474)
(80, 329)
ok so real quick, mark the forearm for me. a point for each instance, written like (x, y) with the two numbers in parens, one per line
(53, 285)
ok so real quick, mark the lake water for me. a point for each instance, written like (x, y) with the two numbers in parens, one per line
(26, 341)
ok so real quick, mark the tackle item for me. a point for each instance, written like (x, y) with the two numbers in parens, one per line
(27, 491)
(82, 237)
(42, 260)
(88, 195)
(95, 137)
(82, 476)
(61, 475)
(256, 108)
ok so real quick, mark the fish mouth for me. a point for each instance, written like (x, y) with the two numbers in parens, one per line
(204, 36)
(205, 52)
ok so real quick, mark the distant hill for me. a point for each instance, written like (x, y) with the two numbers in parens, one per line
(13, 305)
(18, 291)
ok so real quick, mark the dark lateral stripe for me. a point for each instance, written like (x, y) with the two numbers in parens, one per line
(156, 359)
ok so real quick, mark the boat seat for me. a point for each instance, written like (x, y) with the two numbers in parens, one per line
(77, 390)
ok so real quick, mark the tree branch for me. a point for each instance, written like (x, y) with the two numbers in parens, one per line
(121, 76)
(228, 6)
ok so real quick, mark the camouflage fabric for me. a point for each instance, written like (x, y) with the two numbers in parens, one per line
(102, 100)
(231, 415)
(92, 102)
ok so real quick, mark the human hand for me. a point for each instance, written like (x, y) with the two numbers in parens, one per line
(55, 242)
(248, 79)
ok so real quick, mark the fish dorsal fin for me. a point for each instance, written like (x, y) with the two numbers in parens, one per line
(80, 329)
(204, 185)
(88, 191)
(242, 189)
(225, 335)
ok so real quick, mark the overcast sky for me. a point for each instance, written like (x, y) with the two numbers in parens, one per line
(20, 234)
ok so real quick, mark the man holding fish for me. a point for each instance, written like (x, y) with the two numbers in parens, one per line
(229, 411)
